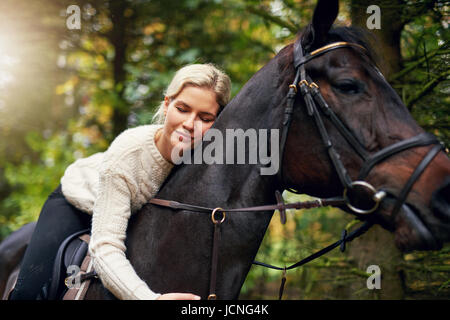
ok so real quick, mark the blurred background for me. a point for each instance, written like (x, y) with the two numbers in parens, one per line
(67, 93)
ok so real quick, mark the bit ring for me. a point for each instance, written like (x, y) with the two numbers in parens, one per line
(377, 197)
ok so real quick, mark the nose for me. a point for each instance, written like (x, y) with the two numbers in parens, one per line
(440, 200)
(189, 122)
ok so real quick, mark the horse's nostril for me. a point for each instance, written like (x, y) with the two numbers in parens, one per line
(440, 201)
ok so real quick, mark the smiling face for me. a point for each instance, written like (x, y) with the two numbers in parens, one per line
(187, 117)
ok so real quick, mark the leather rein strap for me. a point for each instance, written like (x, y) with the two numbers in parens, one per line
(281, 206)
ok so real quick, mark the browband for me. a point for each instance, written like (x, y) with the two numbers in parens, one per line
(300, 59)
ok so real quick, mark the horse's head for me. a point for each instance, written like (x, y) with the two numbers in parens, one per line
(378, 121)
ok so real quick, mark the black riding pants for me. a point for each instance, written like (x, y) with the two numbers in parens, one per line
(57, 220)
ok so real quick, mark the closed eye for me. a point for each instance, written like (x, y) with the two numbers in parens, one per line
(205, 118)
(181, 109)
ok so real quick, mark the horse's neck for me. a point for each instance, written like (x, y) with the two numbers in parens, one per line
(219, 185)
(169, 232)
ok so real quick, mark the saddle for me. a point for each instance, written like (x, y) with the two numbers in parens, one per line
(72, 270)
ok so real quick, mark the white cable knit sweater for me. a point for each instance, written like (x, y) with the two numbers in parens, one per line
(110, 186)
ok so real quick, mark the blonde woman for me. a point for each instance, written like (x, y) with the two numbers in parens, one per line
(111, 186)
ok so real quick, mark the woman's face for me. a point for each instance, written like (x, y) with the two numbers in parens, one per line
(189, 116)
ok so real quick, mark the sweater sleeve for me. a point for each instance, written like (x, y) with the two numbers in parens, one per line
(109, 223)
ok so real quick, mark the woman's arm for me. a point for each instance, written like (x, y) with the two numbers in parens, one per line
(119, 182)
(107, 247)
(109, 223)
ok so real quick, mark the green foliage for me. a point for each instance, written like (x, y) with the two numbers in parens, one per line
(34, 181)
(306, 232)
(427, 274)
(333, 276)
(423, 83)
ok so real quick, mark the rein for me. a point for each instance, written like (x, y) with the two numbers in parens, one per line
(281, 207)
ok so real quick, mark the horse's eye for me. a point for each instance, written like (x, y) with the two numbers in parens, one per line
(349, 86)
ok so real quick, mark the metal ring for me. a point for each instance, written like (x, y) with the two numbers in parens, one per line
(214, 218)
(377, 196)
(212, 296)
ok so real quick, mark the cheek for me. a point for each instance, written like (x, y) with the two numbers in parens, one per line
(172, 118)
(205, 126)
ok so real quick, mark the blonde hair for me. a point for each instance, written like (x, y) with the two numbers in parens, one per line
(199, 75)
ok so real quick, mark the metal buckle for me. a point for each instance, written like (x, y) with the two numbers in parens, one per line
(212, 297)
(213, 218)
(313, 85)
(66, 282)
(377, 196)
(303, 82)
(293, 86)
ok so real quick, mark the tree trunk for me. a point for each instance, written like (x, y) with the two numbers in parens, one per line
(387, 40)
(377, 246)
(118, 38)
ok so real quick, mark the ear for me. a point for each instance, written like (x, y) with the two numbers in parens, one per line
(324, 15)
(166, 104)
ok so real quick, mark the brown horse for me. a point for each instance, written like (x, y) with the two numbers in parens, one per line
(171, 249)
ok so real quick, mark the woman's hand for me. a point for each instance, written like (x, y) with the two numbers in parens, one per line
(178, 296)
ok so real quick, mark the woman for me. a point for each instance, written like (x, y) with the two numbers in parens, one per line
(114, 184)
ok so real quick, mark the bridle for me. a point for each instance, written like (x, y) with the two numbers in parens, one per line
(316, 105)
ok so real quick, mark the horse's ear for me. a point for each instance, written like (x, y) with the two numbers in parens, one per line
(324, 15)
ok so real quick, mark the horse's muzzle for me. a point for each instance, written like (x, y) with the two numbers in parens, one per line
(423, 236)
(412, 230)
(429, 233)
